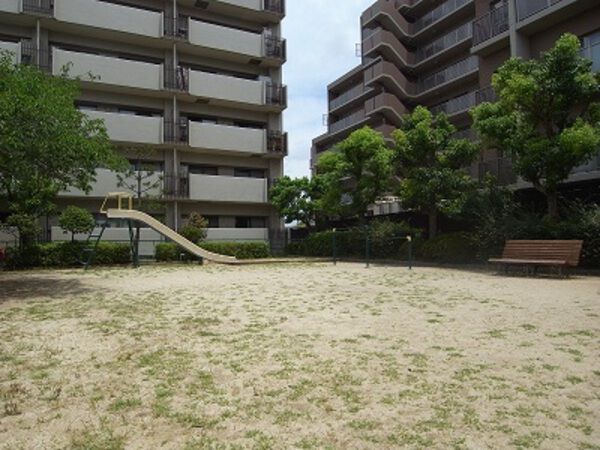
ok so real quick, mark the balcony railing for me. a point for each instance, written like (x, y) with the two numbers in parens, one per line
(274, 6)
(347, 121)
(276, 94)
(277, 143)
(45, 7)
(350, 94)
(40, 58)
(177, 27)
(527, 8)
(177, 78)
(457, 104)
(176, 132)
(274, 47)
(176, 186)
(452, 72)
(491, 24)
(486, 94)
(439, 45)
(438, 13)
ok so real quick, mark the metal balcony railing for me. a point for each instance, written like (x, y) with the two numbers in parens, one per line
(176, 26)
(457, 104)
(177, 78)
(347, 121)
(277, 143)
(40, 58)
(439, 45)
(350, 94)
(176, 186)
(486, 94)
(491, 24)
(274, 47)
(527, 8)
(438, 13)
(276, 94)
(451, 72)
(274, 6)
(176, 132)
(45, 7)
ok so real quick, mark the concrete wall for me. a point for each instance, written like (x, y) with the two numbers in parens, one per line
(237, 234)
(131, 128)
(227, 88)
(107, 70)
(250, 4)
(225, 38)
(110, 16)
(11, 6)
(228, 189)
(107, 181)
(13, 47)
(228, 138)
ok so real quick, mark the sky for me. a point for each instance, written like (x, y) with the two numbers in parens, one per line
(321, 40)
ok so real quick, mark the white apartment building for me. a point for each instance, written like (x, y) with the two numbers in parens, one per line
(189, 89)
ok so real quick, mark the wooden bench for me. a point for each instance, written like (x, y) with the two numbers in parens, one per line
(534, 254)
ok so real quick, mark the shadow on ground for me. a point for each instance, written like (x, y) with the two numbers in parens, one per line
(29, 287)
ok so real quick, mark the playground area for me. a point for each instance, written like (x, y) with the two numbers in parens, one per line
(297, 356)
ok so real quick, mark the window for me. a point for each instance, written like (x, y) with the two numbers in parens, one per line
(591, 49)
(249, 173)
(146, 166)
(250, 222)
(203, 170)
(213, 221)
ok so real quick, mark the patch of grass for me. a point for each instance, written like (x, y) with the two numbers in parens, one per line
(528, 327)
(530, 440)
(124, 404)
(102, 439)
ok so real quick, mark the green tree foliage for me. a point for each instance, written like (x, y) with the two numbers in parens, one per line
(355, 173)
(429, 165)
(76, 220)
(46, 144)
(297, 199)
(545, 118)
(195, 228)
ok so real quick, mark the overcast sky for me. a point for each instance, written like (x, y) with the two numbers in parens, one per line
(321, 37)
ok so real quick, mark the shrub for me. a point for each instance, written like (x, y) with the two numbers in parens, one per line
(66, 254)
(195, 229)
(449, 248)
(76, 220)
(167, 251)
(241, 250)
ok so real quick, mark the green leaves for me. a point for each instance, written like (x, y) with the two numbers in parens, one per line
(297, 199)
(76, 220)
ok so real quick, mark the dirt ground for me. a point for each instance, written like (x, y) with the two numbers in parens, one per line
(298, 356)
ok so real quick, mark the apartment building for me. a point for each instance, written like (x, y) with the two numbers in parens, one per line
(190, 91)
(442, 54)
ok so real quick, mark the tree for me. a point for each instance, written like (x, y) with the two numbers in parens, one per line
(355, 173)
(46, 144)
(297, 199)
(76, 220)
(195, 229)
(546, 118)
(430, 165)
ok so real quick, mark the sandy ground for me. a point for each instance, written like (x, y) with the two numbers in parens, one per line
(298, 356)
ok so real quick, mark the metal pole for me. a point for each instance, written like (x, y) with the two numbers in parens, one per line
(334, 248)
(367, 249)
(409, 239)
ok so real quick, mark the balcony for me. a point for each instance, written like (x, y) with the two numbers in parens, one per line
(277, 143)
(107, 181)
(456, 105)
(108, 71)
(130, 128)
(227, 88)
(449, 40)
(236, 42)
(386, 43)
(527, 8)
(348, 121)
(490, 25)
(227, 138)
(11, 6)
(451, 73)
(276, 7)
(486, 94)
(109, 16)
(348, 96)
(215, 188)
(387, 104)
(439, 13)
(237, 234)
(12, 47)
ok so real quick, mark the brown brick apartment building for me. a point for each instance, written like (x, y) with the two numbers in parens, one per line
(442, 54)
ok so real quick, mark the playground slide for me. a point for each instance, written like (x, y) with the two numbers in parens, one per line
(161, 228)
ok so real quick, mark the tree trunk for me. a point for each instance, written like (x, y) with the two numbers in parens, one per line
(432, 216)
(552, 199)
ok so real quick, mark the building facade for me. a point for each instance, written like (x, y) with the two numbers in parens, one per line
(442, 54)
(190, 91)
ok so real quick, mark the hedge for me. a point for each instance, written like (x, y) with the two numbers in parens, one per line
(241, 250)
(66, 254)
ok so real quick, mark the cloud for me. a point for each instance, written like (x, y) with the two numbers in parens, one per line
(321, 38)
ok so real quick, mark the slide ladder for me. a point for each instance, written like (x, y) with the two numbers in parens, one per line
(126, 211)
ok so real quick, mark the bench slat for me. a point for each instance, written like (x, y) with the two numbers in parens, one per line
(541, 252)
